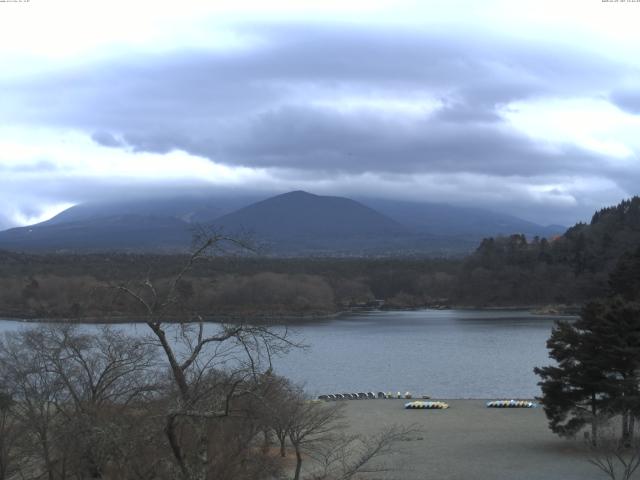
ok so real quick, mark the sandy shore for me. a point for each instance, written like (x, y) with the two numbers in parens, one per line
(469, 441)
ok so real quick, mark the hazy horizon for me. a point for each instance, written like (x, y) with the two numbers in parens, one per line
(248, 197)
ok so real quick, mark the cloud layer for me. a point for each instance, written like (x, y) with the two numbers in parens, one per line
(420, 113)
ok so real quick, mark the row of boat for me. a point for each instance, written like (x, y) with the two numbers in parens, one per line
(491, 404)
(420, 404)
(427, 405)
(511, 404)
(367, 396)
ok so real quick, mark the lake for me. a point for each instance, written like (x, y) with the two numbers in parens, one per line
(442, 353)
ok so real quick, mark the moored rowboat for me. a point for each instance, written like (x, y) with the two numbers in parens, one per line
(426, 405)
(511, 404)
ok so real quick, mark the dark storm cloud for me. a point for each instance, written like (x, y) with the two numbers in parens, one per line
(321, 139)
(255, 106)
(627, 99)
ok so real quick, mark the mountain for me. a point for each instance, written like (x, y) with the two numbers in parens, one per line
(299, 222)
(138, 224)
(118, 232)
(464, 222)
(190, 209)
(294, 223)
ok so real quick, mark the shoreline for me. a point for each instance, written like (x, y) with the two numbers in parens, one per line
(236, 318)
(296, 318)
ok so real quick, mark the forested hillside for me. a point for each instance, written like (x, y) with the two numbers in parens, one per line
(570, 268)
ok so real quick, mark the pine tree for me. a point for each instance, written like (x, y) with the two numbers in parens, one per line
(574, 392)
(617, 328)
(625, 278)
(598, 369)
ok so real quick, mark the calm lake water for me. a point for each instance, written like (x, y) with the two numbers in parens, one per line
(442, 353)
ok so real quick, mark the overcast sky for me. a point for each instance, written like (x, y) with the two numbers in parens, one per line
(529, 107)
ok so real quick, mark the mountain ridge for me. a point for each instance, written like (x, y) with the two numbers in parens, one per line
(292, 223)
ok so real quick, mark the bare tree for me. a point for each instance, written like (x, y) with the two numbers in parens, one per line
(312, 423)
(107, 368)
(616, 457)
(235, 441)
(345, 456)
(191, 352)
(102, 375)
(71, 391)
(280, 402)
(315, 431)
(36, 391)
(9, 435)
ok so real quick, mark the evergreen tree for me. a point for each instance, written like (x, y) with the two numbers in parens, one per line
(617, 328)
(625, 279)
(574, 392)
(598, 369)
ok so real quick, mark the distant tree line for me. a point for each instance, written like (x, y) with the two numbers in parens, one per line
(69, 287)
